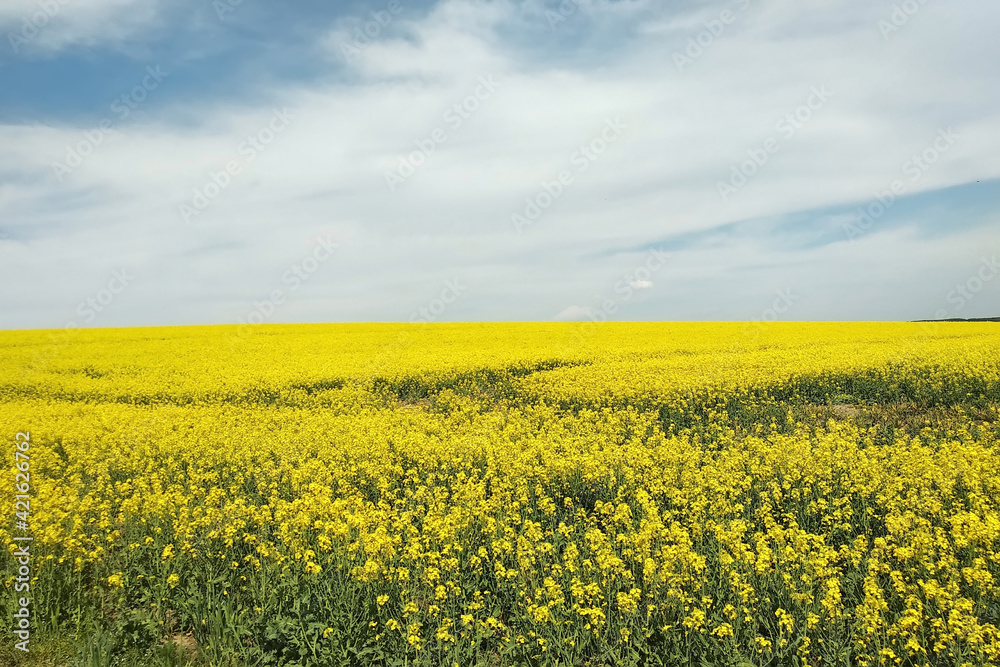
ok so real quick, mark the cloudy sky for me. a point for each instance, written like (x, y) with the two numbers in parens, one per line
(205, 161)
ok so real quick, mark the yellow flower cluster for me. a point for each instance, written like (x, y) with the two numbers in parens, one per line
(636, 493)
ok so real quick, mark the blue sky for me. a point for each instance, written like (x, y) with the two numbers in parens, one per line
(217, 162)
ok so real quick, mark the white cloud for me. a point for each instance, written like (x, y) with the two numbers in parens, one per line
(452, 216)
(48, 26)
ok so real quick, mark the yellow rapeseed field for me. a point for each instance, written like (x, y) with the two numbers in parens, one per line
(511, 494)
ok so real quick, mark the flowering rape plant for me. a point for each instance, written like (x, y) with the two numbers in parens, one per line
(507, 494)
